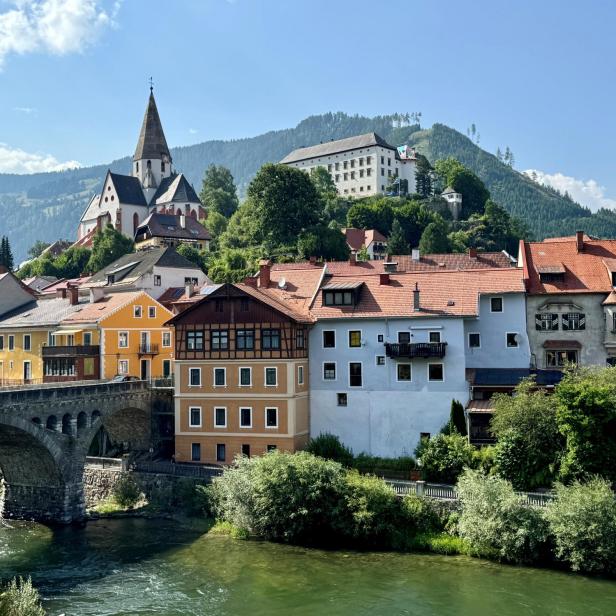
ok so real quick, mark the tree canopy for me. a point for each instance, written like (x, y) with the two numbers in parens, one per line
(107, 246)
(218, 191)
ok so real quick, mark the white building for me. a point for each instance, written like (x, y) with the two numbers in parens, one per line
(454, 201)
(127, 200)
(360, 166)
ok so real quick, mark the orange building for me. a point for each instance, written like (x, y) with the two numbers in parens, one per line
(241, 370)
(133, 338)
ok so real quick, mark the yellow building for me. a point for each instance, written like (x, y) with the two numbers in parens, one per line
(132, 338)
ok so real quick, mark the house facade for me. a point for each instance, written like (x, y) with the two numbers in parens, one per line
(372, 240)
(359, 166)
(171, 230)
(241, 376)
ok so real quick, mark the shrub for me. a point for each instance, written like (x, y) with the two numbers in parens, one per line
(484, 459)
(192, 497)
(371, 513)
(20, 598)
(457, 420)
(494, 519)
(420, 514)
(375, 464)
(444, 456)
(281, 496)
(583, 523)
(328, 446)
(126, 492)
(441, 543)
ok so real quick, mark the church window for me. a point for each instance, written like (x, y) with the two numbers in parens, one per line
(108, 187)
(135, 222)
(179, 212)
(112, 197)
(106, 199)
(193, 213)
(149, 164)
(137, 167)
(162, 166)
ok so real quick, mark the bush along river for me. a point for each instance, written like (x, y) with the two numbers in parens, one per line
(135, 566)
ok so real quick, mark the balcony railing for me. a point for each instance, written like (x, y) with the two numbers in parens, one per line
(409, 350)
(148, 349)
(86, 350)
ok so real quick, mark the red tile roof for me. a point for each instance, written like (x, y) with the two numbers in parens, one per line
(587, 271)
(63, 284)
(356, 238)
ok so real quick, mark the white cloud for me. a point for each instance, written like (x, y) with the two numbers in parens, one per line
(586, 192)
(193, 131)
(26, 110)
(14, 160)
(53, 26)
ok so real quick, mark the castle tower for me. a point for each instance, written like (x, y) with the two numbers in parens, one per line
(152, 159)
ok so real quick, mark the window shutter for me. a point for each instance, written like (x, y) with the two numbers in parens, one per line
(554, 321)
(582, 321)
(565, 321)
(539, 322)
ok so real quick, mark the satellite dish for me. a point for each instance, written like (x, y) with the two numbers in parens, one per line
(282, 283)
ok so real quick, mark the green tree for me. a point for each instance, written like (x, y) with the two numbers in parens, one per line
(457, 421)
(188, 251)
(6, 255)
(414, 217)
(107, 246)
(72, 262)
(283, 203)
(377, 215)
(216, 224)
(474, 193)
(218, 191)
(444, 457)
(363, 254)
(434, 239)
(586, 417)
(423, 176)
(20, 598)
(322, 242)
(323, 182)
(397, 244)
(37, 248)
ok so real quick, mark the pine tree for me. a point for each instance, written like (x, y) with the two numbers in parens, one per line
(499, 154)
(397, 244)
(6, 254)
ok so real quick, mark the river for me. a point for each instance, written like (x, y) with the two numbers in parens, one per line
(141, 567)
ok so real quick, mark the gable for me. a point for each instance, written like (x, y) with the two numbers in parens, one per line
(124, 316)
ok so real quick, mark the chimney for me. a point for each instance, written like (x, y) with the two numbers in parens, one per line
(353, 259)
(96, 294)
(579, 240)
(189, 290)
(182, 221)
(265, 268)
(73, 294)
(415, 254)
(313, 260)
(383, 279)
(390, 266)
(251, 281)
(416, 307)
(472, 253)
(61, 293)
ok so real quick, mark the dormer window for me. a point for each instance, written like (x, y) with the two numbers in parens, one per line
(341, 294)
(552, 274)
(149, 164)
(110, 278)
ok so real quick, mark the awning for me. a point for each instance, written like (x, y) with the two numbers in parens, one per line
(480, 406)
(562, 345)
(66, 332)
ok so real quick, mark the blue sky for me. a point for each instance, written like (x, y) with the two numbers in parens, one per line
(535, 76)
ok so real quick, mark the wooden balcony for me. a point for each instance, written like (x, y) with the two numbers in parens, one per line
(411, 350)
(87, 350)
(148, 349)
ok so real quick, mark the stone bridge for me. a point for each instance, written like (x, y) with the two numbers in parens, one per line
(46, 433)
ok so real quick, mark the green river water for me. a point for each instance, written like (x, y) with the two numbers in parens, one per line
(136, 566)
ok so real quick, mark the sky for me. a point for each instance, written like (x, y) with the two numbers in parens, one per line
(538, 77)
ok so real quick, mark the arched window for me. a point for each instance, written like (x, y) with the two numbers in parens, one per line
(162, 166)
(135, 222)
(193, 213)
(137, 166)
(149, 164)
(179, 212)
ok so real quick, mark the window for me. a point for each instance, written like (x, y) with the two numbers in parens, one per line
(329, 371)
(436, 372)
(337, 177)
(194, 377)
(123, 366)
(300, 375)
(383, 171)
(404, 372)
(87, 338)
(368, 160)
(352, 163)
(572, 321)
(27, 342)
(354, 338)
(218, 305)
(404, 337)
(382, 160)
(220, 377)
(166, 339)
(245, 377)
(355, 379)
(546, 321)
(220, 417)
(337, 166)
(352, 176)
(329, 339)
(219, 339)
(189, 280)
(195, 452)
(88, 366)
(512, 340)
(194, 341)
(221, 452)
(157, 280)
(271, 377)
(123, 340)
(11, 342)
(270, 339)
(435, 336)
(137, 312)
(194, 417)
(151, 312)
(300, 339)
(271, 417)
(361, 174)
(496, 304)
(474, 341)
(345, 164)
(389, 162)
(558, 359)
(380, 360)
(246, 450)
(380, 338)
(346, 177)
(245, 339)
(1, 343)
(368, 173)
(245, 417)
(166, 368)
(338, 298)
(342, 399)
(271, 448)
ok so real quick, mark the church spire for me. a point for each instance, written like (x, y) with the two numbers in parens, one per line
(152, 143)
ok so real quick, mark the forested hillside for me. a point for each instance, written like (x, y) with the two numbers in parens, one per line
(47, 206)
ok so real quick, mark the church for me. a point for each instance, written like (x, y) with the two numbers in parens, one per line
(153, 187)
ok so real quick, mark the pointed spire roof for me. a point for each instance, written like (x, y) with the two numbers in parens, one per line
(152, 142)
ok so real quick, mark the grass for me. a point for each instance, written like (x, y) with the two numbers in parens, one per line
(110, 506)
(221, 527)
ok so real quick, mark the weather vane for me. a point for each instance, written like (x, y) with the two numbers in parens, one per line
(151, 85)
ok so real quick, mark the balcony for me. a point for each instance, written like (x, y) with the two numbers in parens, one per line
(410, 350)
(148, 349)
(87, 350)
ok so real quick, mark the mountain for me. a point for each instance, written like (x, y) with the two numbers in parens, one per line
(48, 206)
